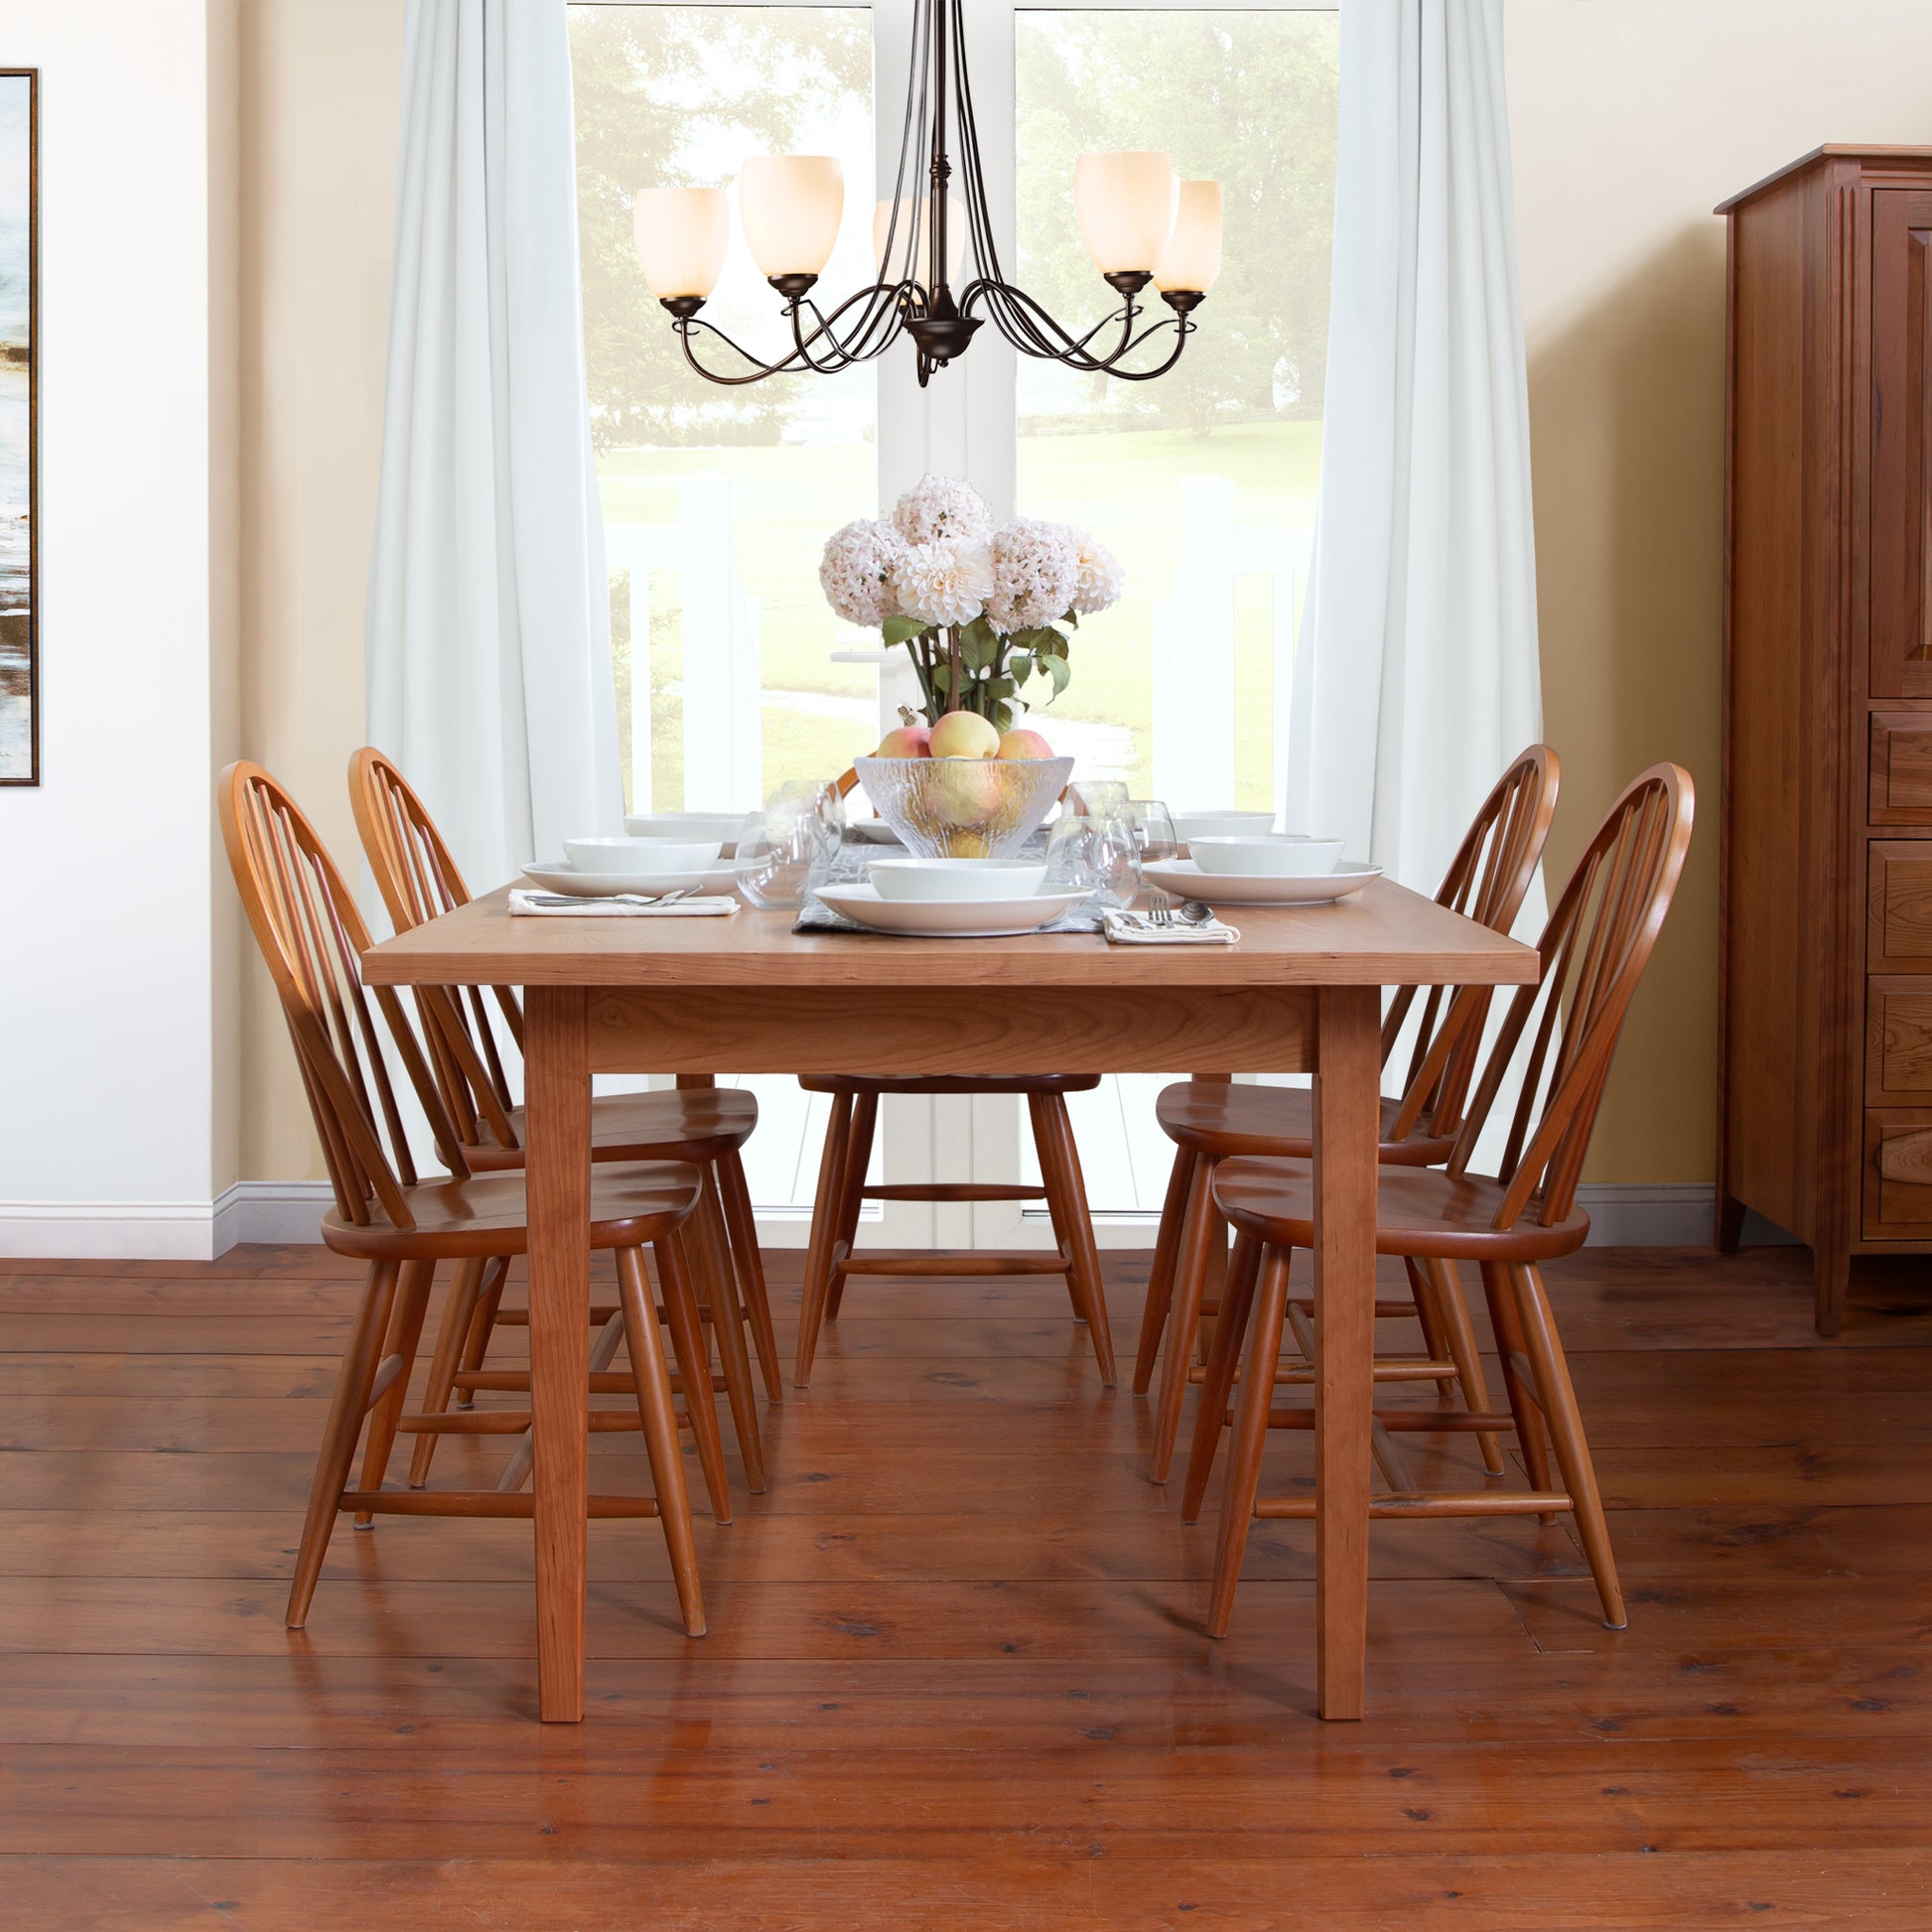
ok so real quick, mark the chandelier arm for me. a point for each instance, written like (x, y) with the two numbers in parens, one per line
(1013, 309)
(865, 342)
(858, 345)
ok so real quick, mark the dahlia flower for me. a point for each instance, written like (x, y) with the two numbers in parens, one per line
(1035, 574)
(937, 510)
(1100, 576)
(943, 582)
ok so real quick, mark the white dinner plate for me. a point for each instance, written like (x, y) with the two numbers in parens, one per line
(1183, 876)
(585, 884)
(946, 919)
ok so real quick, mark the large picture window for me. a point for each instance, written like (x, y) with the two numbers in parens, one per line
(732, 675)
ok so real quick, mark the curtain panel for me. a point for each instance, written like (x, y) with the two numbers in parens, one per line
(488, 635)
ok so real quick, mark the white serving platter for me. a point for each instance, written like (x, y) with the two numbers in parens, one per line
(1185, 877)
(602, 885)
(942, 918)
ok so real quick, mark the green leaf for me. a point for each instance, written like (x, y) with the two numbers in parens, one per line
(1002, 718)
(978, 646)
(1001, 687)
(1020, 668)
(942, 675)
(1061, 671)
(902, 630)
(1071, 620)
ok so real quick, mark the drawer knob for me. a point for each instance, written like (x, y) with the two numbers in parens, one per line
(1907, 1158)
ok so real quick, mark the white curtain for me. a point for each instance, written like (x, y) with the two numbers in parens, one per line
(1416, 677)
(489, 649)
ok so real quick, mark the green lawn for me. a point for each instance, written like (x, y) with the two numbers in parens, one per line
(1125, 487)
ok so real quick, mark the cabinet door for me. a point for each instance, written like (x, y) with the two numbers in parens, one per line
(1902, 448)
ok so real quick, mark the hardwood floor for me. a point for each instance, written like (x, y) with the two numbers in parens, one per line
(955, 1675)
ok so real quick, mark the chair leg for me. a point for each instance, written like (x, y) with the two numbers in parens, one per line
(483, 1325)
(728, 1323)
(1250, 1437)
(457, 1314)
(1465, 1353)
(653, 1384)
(1501, 1297)
(1210, 1417)
(1552, 1370)
(1199, 1228)
(405, 1330)
(693, 1361)
(347, 1408)
(818, 1279)
(1078, 1233)
(1047, 1147)
(1421, 1290)
(1159, 1279)
(858, 1158)
(743, 1229)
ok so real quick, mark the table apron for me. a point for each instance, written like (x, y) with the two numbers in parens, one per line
(899, 1029)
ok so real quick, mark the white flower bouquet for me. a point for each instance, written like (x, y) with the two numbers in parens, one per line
(983, 612)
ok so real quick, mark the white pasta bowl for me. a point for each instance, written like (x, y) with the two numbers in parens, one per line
(957, 881)
(1273, 857)
(598, 856)
(1190, 826)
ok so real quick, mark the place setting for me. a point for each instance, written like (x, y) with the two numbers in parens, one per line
(666, 861)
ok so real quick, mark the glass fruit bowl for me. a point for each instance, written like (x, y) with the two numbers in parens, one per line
(963, 808)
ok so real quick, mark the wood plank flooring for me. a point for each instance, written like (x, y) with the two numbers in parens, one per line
(955, 1675)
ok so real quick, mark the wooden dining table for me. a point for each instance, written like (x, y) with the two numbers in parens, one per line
(746, 994)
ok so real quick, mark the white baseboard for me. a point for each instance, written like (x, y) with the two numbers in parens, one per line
(1645, 1215)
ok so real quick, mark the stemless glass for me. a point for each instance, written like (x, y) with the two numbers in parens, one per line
(779, 846)
(1091, 848)
(1154, 833)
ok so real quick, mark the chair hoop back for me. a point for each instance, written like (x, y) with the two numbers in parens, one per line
(1593, 951)
(418, 879)
(312, 938)
(1486, 880)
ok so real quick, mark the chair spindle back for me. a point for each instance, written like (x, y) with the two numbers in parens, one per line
(1486, 880)
(1594, 949)
(312, 936)
(419, 880)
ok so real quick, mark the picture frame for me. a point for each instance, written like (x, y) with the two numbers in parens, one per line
(19, 518)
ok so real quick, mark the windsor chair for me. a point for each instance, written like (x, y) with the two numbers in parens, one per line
(1593, 951)
(312, 938)
(1212, 1121)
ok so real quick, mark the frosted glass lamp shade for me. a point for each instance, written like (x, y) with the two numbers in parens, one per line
(908, 210)
(682, 234)
(1193, 257)
(790, 204)
(1126, 208)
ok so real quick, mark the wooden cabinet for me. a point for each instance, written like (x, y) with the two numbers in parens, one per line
(1825, 1081)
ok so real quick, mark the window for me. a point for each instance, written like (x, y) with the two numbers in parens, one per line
(732, 674)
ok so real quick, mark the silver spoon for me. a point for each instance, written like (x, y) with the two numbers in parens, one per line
(1194, 912)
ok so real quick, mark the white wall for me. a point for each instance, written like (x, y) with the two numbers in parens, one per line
(108, 1125)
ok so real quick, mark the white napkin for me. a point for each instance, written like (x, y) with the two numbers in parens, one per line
(618, 907)
(1137, 930)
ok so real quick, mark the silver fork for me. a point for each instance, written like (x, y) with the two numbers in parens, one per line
(1160, 910)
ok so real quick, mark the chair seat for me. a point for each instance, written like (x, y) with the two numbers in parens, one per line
(1420, 1211)
(1222, 1121)
(950, 1083)
(694, 1124)
(631, 1203)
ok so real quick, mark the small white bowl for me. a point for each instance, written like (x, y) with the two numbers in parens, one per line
(598, 856)
(1272, 857)
(957, 881)
(1190, 826)
(685, 826)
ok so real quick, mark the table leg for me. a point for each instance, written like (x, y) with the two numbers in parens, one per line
(1347, 1075)
(557, 1096)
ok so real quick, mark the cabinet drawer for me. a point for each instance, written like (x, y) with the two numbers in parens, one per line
(1898, 907)
(1898, 1040)
(1901, 768)
(1898, 1174)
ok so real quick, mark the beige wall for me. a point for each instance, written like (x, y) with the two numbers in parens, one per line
(1629, 122)
(320, 92)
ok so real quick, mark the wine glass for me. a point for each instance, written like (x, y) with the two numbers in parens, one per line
(779, 846)
(1154, 833)
(1091, 848)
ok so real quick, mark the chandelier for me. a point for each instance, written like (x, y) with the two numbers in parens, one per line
(1139, 224)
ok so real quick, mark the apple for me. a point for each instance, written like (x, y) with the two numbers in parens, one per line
(1021, 744)
(964, 735)
(963, 793)
(905, 742)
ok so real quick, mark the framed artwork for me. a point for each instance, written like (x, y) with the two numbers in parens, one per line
(20, 221)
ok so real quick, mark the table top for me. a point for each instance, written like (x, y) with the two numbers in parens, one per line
(1384, 935)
